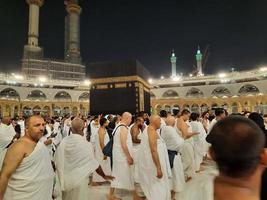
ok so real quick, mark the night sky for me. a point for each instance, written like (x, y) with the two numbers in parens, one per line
(234, 30)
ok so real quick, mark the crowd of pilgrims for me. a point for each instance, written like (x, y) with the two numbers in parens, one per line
(158, 157)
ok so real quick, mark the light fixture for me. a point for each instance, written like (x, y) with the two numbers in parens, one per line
(176, 78)
(150, 80)
(222, 75)
(162, 77)
(87, 82)
(42, 79)
(263, 69)
(18, 77)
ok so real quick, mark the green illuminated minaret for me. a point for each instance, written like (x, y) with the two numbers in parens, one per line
(173, 61)
(199, 62)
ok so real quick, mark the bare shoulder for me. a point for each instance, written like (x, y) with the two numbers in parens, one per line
(21, 147)
(151, 132)
(123, 129)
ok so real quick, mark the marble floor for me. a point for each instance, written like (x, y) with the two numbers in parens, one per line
(100, 192)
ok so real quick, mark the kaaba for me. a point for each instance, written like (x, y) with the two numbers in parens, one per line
(119, 86)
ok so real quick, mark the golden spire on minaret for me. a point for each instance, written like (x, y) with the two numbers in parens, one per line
(72, 6)
(36, 2)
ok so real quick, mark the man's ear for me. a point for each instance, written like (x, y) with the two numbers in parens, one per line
(212, 154)
(263, 157)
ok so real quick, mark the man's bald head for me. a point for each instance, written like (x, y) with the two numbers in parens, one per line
(6, 120)
(126, 118)
(236, 146)
(155, 121)
(77, 126)
(170, 121)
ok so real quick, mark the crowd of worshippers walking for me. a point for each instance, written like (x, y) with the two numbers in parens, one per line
(45, 159)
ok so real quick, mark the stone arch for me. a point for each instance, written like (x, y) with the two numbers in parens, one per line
(63, 96)
(248, 89)
(9, 93)
(221, 92)
(84, 97)
(170, 94)
(36, 95)
(194, 93)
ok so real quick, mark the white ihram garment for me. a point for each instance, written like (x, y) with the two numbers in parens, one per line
(200, 188)
(33, 179)
(7, 134)
(105, 164)
(154, 188)
(174, 142)
(199, 142)
(121, 170)
(188, 157)
(75, 161)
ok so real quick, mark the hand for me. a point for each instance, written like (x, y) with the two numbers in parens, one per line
(159, 173)
(109, 178)
(130, 161)
(48, 141)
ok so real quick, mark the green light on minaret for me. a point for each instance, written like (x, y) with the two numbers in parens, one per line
(199, 55)
(173, 58)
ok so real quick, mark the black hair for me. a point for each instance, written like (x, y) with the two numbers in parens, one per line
(194, 116)
(102, 121)
(258, 119)
(236, 145)
(163, 113)
(219, 111)
(175, 111)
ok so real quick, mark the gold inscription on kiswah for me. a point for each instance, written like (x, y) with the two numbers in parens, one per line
(120, 85)
(102, 87)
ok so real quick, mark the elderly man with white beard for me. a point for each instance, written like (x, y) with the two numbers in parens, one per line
(174, 143)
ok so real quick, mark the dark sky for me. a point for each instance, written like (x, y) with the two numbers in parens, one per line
(235, 30)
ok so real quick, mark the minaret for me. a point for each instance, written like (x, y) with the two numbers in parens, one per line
(72, 32)
(199, 62)
(173, 61)
(32, 49)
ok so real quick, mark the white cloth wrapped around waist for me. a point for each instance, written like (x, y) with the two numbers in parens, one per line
(33, 179)
(74, 161)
